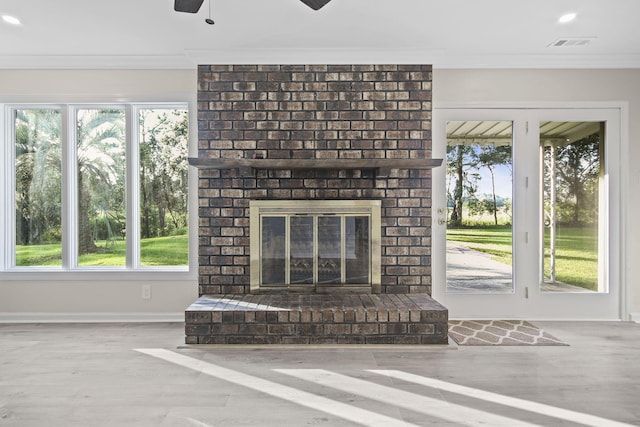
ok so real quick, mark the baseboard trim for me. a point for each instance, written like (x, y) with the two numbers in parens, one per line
(91, 317)
(143, 318)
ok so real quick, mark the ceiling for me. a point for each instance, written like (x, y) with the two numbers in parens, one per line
(446, 33)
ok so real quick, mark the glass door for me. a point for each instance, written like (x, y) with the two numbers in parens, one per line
(574, 204)
(478, 217)
(579, 226)
(524, 213)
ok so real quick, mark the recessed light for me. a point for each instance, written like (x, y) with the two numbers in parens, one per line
(567, 17)
(11, 20)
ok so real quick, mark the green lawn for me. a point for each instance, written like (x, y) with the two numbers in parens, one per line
(49, 255)
(165, 251)
(576, 257)
(158, 251)
(576, 251)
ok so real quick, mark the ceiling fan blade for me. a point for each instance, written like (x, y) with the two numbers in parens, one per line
(314, 4)
(189, 6)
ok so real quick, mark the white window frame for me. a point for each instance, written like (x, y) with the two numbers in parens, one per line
(133, 270)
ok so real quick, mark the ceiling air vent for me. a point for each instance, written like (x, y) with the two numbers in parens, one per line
(571, 42)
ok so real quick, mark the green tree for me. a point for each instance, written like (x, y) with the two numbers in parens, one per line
(38, 175)
(490, 157)
(578, 168)
(461, 161)
(100, 136)
(163, 171)
(577, 180)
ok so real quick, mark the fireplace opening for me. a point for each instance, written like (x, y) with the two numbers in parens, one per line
(315, 246)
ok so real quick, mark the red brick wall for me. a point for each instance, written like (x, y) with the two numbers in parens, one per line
(314, 112)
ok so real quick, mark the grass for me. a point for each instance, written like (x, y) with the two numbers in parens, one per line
(49, 255)
(109, 254)
(576, 251)
(157, 251)
(576, 257)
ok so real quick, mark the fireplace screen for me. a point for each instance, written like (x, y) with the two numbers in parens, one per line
(315, 245)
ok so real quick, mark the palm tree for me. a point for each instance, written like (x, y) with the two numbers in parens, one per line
(100, 151)
(38, 174)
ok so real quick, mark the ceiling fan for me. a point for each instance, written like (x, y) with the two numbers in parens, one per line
(193, 6)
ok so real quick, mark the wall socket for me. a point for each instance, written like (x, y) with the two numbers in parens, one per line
(146, 291)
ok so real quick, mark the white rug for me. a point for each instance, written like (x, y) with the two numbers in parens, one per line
(499, 332)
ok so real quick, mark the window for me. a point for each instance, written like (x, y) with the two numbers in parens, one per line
(163, 187)
(96, 187)
(38, 187)
(100, 162)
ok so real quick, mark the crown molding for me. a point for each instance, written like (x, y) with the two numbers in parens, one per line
(95, 62)
(541, 61)
(315, 56)
(439, 58)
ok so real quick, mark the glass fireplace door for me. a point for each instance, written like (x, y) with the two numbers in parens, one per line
(301, 257)
(274, 236)
(314, 249)
(330, 255)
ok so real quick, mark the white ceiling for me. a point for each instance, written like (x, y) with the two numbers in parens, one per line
(446, 33)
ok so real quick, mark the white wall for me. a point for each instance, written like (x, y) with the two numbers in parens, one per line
(95, 300)
(100, 296)
(121, 299)
(526, 88)
(90, 84)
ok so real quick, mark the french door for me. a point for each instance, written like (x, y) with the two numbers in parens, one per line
(526, 213)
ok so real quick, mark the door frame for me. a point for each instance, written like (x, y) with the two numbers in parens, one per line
(527, 301)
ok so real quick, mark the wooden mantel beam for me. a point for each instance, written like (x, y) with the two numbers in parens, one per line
(336, 164)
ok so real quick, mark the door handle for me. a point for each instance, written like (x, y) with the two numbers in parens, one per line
(441, 221)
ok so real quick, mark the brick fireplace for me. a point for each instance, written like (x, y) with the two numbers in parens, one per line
(315, 133)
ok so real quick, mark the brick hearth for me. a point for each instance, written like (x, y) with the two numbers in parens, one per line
(316, 319)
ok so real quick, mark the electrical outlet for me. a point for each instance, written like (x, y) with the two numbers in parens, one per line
(146, 291)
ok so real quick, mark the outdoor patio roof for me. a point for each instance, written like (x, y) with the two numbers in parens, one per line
(497, 133)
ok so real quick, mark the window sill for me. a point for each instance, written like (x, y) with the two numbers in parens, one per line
(102, 274)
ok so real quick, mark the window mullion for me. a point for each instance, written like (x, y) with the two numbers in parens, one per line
(69, 178)
(132, 187)
(7, 182)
